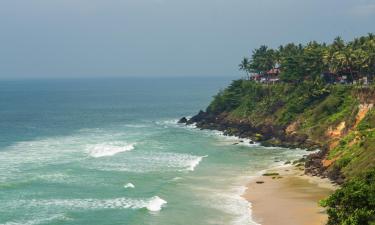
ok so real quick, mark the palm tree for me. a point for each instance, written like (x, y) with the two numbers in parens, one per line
(338, 43)
(370, 36)
(346, 59)
(332, 55)
(245, 66)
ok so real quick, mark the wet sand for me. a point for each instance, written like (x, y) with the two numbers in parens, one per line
(290, 198)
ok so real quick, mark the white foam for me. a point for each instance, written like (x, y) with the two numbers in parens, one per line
(227, 139)
(19, 159)
(194, 163)
(155, 204)
(129, 185)
(235, 139)
(144, 162)
(232, 202)
(108, 149)
(152, 204)
(37, 220)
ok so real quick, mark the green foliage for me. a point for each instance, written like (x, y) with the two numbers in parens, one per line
(228, 99)
(317, 107)
(354, 203)
(307, 62)
(263, 59)
(303, 96)
(283, 103)
(306, 101)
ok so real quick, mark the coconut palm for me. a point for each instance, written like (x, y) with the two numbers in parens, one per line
(245, 66)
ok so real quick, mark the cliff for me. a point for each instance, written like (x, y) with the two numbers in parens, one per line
(338, 119)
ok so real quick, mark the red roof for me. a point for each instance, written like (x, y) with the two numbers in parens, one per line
(273, 71)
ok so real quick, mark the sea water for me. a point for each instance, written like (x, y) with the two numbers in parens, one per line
(110, 151)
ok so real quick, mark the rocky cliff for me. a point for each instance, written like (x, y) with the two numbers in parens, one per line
(339, 120)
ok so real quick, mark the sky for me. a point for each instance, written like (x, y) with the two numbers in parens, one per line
(119, 38)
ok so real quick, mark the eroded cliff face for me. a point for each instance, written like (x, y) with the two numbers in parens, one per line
(351, 147)
(324, 163)
(329, 122)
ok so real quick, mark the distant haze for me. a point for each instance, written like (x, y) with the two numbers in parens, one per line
(92, 38)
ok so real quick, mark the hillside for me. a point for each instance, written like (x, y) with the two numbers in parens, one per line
(313, 96)
(338, 119)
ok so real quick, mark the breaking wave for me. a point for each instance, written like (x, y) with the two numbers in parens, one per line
(153, 204)
(129, 185)
(108, 149)
(144, 162)
(194, 163)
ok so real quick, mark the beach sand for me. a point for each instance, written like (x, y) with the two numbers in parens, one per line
(288, 199)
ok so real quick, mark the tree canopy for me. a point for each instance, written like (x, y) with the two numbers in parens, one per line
(308, 62)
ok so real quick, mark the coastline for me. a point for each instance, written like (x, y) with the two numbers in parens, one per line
(289, 198)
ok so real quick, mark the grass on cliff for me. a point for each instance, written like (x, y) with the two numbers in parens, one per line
(356, 151)
(279, 103)
(283, 103)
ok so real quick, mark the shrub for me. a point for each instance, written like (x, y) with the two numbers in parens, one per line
(354, 203)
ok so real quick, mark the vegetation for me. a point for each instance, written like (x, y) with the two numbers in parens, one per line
(354, 203)
(307, 62)
(280, 104)
(307, 104)
(315, 108)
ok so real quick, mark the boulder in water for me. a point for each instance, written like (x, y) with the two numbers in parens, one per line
(183, 120)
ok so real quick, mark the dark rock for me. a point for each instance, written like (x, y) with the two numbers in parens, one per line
(268, 135)
(260, 182)
(200, 117)
(270, 174)
(183, 120)
(335, 175)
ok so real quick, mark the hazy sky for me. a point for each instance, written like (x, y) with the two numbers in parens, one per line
(91, 38)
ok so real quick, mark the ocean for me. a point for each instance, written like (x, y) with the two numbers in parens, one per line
(109, 151)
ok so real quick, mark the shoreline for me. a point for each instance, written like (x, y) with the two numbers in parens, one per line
(288, 197)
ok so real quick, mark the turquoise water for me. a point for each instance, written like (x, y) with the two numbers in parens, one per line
(109, 151)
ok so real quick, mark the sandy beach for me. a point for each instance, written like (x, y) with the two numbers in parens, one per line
(290, 198)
